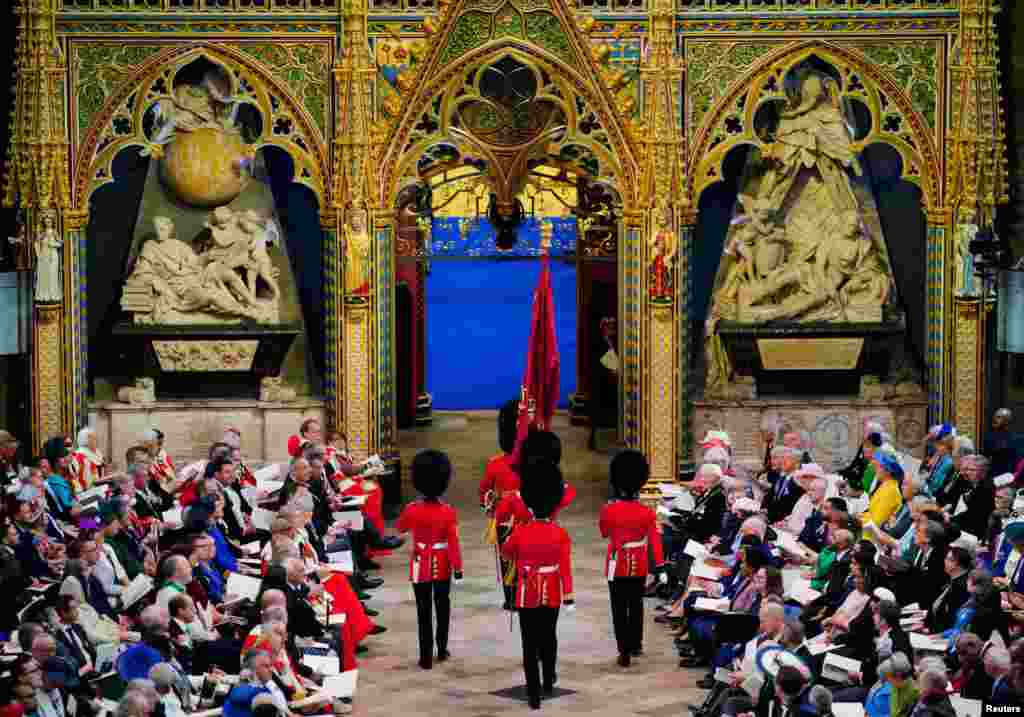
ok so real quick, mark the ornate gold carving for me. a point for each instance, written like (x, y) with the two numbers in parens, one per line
(274, 390)
(48, 390)
(144, 391)
(358, 383)
(968, 384)
(219, 355)
(810, 354)
(661, 418)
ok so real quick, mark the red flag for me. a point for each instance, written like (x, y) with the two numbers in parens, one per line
(539, 394)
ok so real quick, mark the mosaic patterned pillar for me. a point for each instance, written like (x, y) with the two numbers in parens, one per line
(49, 399)
(968, 388)
(939, 315)
(630, 329)
(333, 386)
(383, 347)
(685, 392)
(76, 333)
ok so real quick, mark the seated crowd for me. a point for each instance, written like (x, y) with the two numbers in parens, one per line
(162, 590)
(893, 587)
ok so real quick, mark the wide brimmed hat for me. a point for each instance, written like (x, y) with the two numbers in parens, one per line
(889, 464)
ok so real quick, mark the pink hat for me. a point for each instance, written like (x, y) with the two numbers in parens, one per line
(809, 470)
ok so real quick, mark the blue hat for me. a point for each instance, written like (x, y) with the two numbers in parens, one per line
(239, 701)
(136, 662)
(1014, 531)
(889, 464)
(945, 430)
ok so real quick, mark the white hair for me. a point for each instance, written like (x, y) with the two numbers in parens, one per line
(755, 523)
(999, 658)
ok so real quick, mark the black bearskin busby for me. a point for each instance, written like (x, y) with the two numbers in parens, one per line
(542, 446)
(431, 473)
(541, 487)
(508, 420)
(629, 472)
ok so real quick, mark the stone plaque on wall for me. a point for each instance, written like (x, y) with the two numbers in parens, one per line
(819, 354)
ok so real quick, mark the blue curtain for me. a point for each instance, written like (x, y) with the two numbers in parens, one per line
(478, 321)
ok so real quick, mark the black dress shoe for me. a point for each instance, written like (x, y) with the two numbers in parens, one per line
(535, 703)
(706, 683)
(443, 655)
(623, 660)
(390, 543)
(364, 582)
(426, 664)
(362, 649)
(549, 687)
(694, 661)
(370, 612)
(637, 652)
(378, 629)
(367, 564)
(361, 596)
(696, 711)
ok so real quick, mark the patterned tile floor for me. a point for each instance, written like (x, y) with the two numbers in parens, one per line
(485, 647)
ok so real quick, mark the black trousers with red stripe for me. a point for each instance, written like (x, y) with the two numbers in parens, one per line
(539, 629)
(628, 613)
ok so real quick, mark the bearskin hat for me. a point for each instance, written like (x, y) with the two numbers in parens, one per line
(431, 473)
(508, 420)
(541, 487)
(629, 472)
(544, 446)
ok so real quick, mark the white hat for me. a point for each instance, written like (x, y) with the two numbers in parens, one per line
(884, 594)
(809, 470)
(1004, 479)
(747, 505)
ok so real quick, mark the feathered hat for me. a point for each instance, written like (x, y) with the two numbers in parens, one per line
(629, 472)
(541, 487)
(508, 420)
(431, 473)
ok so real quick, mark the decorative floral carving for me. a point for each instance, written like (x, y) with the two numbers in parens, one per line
(217, 355)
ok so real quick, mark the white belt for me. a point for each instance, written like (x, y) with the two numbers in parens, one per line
(435, 546)
(635, 544)
(546, 569)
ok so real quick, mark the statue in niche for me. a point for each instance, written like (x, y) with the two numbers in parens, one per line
(806, 243)
(48, 243)
(262, 232)
(663, 243)
(357, 255)
(807, 246)
(206, 105)
(171, 284)
(964, 281)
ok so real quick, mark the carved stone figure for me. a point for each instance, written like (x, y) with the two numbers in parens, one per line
(48, 243)
(274, 390)
(143, 391)
(171, 284)
(664, 245)
(357, 255)
(206, 105)
(261, 232)
(964, 283)
(230, 251)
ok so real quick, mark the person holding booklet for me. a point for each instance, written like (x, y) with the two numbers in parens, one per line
(436, 554)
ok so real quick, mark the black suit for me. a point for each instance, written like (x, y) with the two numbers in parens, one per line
(781, 499)
(927, 576)
(815, 529)
(708, 510)
(302, 620)
(978, 685)
(981, 502)
(80, 650)
(942, 612)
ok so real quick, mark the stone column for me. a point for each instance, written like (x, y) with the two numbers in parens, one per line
(968, 388)
(334, 292)
(686, 392)
(630, 329)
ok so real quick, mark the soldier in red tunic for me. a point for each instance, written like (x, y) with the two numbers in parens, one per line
(500, 475)
(631, 529)
(436, 554)
(542, 554)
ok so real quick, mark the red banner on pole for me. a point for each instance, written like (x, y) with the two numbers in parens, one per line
(539, 394)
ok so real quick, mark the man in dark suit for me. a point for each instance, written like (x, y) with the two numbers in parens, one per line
(942, 612)
(302, 619)
(997, 665)
(977, 496)
(835, 585)
(70, 634)
(779, 502)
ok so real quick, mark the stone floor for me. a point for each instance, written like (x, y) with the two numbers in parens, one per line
(485, 647)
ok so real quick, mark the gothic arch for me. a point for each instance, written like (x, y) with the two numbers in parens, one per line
(399, 152)
(303, 140)
(921, 163)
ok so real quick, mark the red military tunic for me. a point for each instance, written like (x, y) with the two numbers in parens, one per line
(499, 478)
(512, 511)
(435, 540)
(542, 554)
(630, 528)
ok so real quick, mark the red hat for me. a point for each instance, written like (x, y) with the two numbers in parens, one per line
(295, 445)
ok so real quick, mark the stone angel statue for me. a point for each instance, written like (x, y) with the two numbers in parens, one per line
(192, 107)
(48, 243)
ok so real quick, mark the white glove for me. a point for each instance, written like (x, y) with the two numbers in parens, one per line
(663, 578)
(570, 608)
